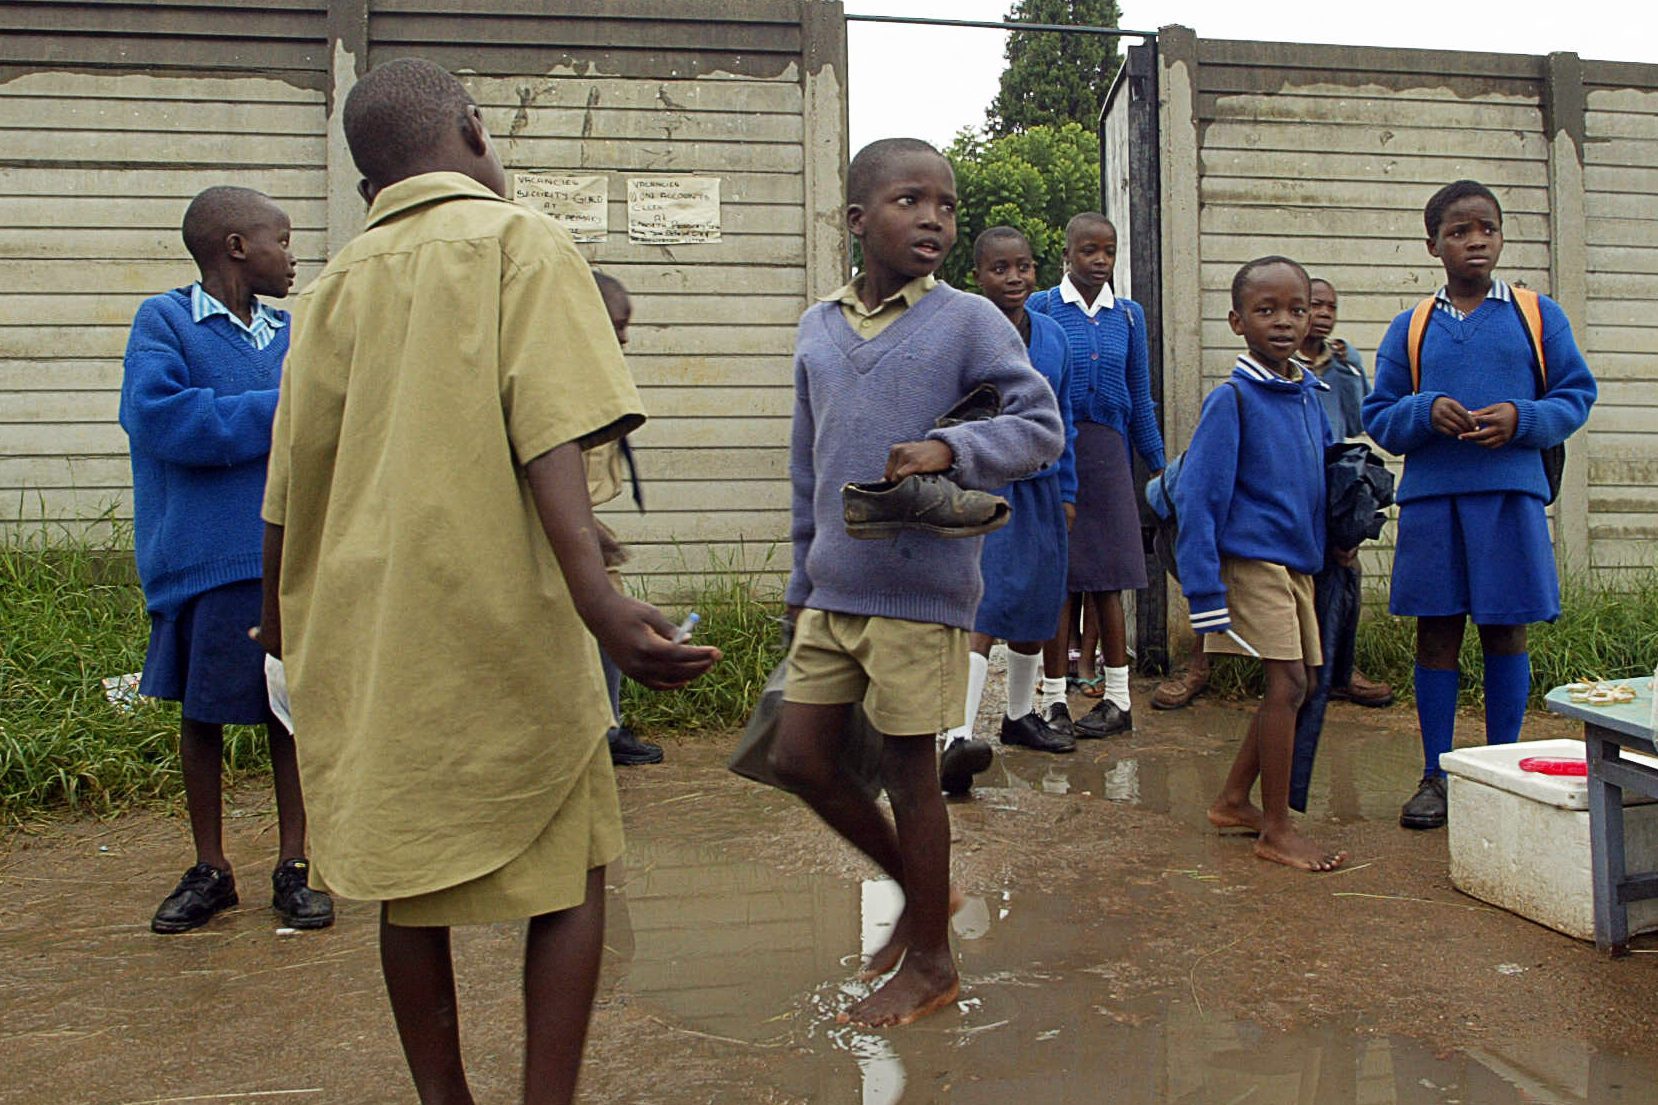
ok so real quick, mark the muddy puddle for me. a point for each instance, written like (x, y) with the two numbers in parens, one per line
(738, 952)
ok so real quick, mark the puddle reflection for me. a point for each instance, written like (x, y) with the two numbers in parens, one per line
(744, 952)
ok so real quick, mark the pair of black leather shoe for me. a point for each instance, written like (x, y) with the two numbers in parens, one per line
(206, 891)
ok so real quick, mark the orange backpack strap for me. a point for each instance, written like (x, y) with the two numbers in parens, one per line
(1413, 342)
(1531, 313)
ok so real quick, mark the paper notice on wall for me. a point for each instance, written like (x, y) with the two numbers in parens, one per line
(668, 210)
(580, 204)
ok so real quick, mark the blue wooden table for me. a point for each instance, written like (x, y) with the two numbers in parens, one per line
(1607, 731)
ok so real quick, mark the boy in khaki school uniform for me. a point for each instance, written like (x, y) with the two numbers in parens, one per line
(433, 572)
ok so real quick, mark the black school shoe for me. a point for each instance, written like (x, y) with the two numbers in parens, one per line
(295, 902)
(1426, 808)
(1032, 732)
(963, 759)
(627, 750)
(203, 891)
(1059, 719)
(1102, 721)
(930, 503)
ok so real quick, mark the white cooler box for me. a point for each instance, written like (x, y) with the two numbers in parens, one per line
(1520, 840)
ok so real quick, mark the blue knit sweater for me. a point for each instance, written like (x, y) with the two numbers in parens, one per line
(1254, 495)
(1051, 356)
(855, 399)
(1478, 361)
(1110, 369)
(197, 402)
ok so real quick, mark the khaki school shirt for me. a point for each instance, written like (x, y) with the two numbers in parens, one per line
(867, 323)
(445, 695)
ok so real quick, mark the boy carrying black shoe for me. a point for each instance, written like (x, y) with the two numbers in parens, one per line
(885, 622)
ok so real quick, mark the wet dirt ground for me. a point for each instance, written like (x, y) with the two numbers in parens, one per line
(1113, 949)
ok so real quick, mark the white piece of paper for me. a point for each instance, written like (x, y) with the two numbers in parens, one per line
(276, 689)
(673, 210)
(580, 204)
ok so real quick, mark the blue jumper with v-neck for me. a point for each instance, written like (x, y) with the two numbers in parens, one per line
(197, 401)
(855, 399)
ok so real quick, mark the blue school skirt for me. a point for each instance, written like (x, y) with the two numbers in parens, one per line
(1486, 555)
(1023, 564)
(201, 657)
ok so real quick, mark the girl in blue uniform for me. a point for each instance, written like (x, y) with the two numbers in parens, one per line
(1023, 563)
(1111, 401)
(1473, 538)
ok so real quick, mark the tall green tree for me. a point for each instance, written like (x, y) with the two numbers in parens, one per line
(1053, 77)
(1034, 180)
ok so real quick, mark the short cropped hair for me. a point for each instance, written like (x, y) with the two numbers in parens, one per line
(1247, 273)
(874, 162)
(218, 211)
(612, 290)
(997, 234)
(1084, 219)
(1433, 215)
(1321, 280)
(397, 113)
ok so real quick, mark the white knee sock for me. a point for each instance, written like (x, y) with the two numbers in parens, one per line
(1116, 686)
(1021, 682)
(1053, 690)
(978, 668)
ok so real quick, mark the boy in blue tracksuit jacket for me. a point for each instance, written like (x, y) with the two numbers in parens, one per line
(1473, 540)
(1250, 500)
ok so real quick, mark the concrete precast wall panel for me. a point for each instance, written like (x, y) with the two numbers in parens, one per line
(1328, 154)
(107, 135)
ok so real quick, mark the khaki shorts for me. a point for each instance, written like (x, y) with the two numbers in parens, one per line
(1272, 609)
(910, 676)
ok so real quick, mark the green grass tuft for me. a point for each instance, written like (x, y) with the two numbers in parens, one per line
(73, 614)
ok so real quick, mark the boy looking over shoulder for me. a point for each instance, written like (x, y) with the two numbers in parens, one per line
(434, 581)
(886, 622)
(1251, 507)
(197, 395)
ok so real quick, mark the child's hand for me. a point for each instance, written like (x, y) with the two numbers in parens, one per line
(1451, 418)
(640, 639)
(1070, 515)
(916, 458)
(1345, 557)
(1494, 426)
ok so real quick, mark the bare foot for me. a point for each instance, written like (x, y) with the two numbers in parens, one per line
(1226, 816)
(920, 987)
(1294, 850)
(886, 957)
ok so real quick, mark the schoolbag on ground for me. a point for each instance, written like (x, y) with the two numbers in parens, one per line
(1526, 305)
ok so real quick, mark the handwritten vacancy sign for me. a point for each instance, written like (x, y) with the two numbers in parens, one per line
(578, 203)
(666, 210)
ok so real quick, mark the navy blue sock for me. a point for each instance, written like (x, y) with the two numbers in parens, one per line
(1507, 686)
(1436, 713)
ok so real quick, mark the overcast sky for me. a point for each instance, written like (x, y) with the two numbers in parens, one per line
(930, 82)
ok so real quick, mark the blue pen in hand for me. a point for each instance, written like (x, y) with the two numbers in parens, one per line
(683, 633)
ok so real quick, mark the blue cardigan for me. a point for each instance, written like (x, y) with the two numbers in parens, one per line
(855, 399)
(197, 402)
(1257, 494)
(1478, 361)
(1110, 369)
(1051, 356)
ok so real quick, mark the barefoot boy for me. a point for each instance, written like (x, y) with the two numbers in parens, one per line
(1251, 507)
(197, 396)
(886, 622)
(433, 571)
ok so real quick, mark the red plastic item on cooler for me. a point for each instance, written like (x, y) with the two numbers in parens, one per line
(1554, 765)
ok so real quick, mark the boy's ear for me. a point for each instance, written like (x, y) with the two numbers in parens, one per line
(367, 191)
(474, 133)
(1433, 247)
(236, 247)
(855, 219)
(1234, 320)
